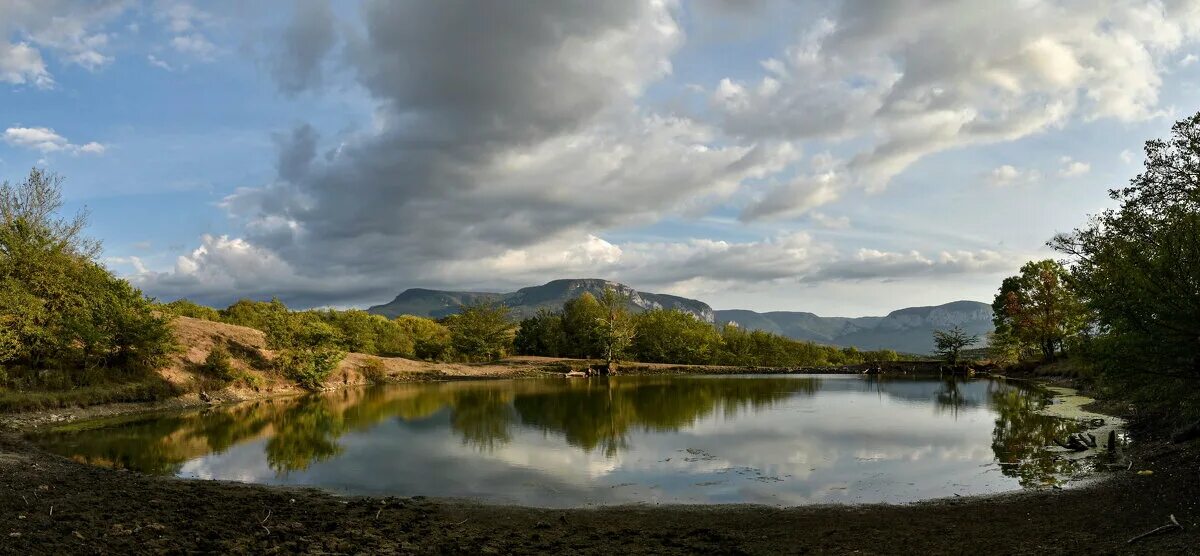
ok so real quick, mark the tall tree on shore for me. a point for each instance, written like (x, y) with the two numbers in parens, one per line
(1037, 308)
(616, 327)
(1138, 266)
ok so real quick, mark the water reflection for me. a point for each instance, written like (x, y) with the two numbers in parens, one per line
(691, 438)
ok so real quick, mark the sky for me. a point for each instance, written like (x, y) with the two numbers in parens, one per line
(846, 157)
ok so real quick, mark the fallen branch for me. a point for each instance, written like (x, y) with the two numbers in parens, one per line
(1164, 529)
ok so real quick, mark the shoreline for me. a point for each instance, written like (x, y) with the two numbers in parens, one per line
(128, 512)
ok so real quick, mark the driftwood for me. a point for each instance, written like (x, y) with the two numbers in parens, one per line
(1174, 525)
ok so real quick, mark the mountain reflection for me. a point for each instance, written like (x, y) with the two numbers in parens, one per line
(593, 415)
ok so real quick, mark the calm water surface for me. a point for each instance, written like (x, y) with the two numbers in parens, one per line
(786, 440)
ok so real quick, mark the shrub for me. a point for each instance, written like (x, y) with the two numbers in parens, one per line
(431, 339)
(185, 308)
(309, 367)
(219, 364)
(374, 371)
(481, 332)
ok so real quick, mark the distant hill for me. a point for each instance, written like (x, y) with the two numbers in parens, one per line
(906, 330)
(526, 301)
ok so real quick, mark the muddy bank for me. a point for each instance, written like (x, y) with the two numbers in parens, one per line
(49, 504)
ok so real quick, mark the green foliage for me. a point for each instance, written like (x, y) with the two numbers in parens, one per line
(1038, 309)
(481, 331)
(218, 364)
(66, 319)
(950, 343)
(254, 314)
(616, 328)
(374, 370)
(186, 308)
(670, 336)
(541, 334)
(431, 339)
(307, 348)
(580, 334)
(1136, 267)
(673, 336)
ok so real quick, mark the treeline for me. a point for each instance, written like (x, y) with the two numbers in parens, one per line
(310, 344)
(1125, 301)
(65, 320)
(584, 328)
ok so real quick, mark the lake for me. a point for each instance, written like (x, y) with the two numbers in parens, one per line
(554, 442)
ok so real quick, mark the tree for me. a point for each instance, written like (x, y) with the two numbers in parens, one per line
(673, 336)
(949, 343)
(61, 312)
(481, 331)
(579, 319)
(541, 334)
(616, 329)
(1038, 308)
(1137, 265)
(431, 339)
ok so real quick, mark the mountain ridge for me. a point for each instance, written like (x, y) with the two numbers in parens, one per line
(908, 330)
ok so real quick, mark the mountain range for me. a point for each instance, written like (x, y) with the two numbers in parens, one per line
(908, 330)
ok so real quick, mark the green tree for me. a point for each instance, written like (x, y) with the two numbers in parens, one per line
(541, 334)
(616, 328)
(431, 339)
(481, 331)
(63, 313)
(1038, 308)
(672, 336)
(950, 343)
(1137, 265)
(579, 318)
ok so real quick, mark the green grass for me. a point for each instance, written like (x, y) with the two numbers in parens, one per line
(151, 389)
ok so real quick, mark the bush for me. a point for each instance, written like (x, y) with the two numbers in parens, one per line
(219, 364)
(309, 367)
(185, 308)
(374, 371)
(431, 339)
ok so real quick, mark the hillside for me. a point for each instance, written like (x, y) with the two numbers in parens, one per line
(908, 330)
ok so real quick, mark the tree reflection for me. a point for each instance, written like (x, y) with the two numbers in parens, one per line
(590, 414)
(1021, 434)
(597, 414)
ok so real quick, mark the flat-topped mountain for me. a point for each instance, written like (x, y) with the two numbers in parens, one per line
(906, 330)
(527, 301)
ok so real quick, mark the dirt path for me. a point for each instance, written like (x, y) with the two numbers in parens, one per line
(51, 505)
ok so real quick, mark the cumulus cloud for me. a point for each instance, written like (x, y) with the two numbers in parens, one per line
(493, 140)
(1073, 168)
(46, 140)
(22, 64)
(911, 78)
(187, 25)
(71, 29)
(507, 144)
(1007, 174)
